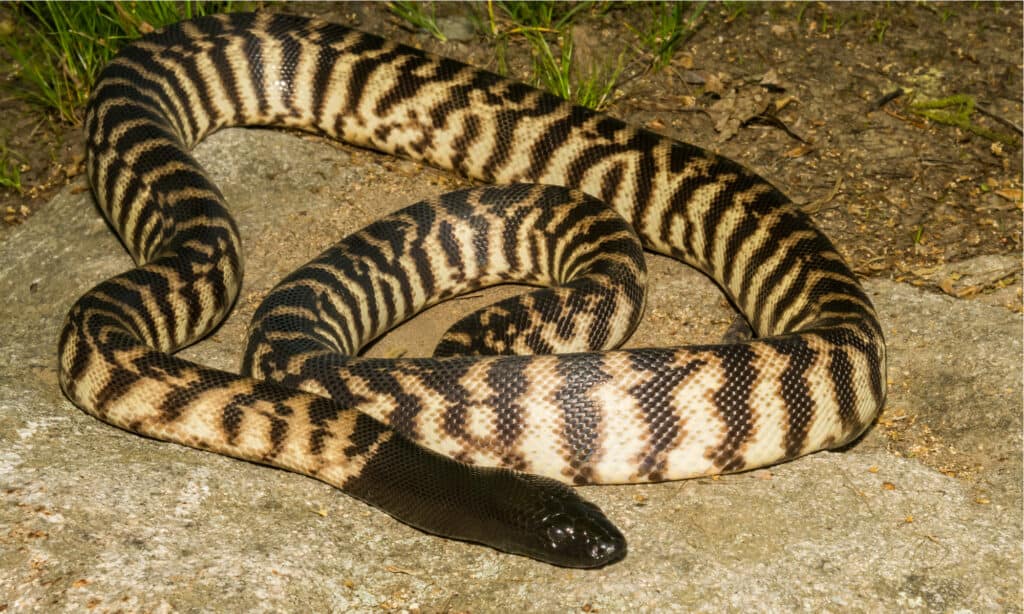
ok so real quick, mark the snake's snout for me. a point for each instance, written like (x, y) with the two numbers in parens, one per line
(609, 551)
(584, 539)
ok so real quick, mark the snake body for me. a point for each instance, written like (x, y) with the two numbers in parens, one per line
(812, 378)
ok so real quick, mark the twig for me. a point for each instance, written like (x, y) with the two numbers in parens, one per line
(771, 120)
(984, 111)
(816, 206)
(886, 99)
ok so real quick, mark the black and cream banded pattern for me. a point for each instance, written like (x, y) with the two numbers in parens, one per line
(387, 431)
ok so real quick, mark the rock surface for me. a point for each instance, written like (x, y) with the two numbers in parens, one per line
(922, 514)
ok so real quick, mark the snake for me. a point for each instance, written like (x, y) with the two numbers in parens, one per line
(482, 442)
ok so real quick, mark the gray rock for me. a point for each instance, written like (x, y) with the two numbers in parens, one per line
(456, 28)
(96, 518)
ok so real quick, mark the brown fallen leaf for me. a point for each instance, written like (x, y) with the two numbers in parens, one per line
(1010, 194)
(798, 151)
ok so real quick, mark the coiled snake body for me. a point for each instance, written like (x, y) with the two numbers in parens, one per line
(813, 378)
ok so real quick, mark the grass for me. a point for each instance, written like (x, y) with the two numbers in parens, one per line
(10, 168)
(420, 15)
(558, 72)
(547, 29)
(63, 45)
(879, 26)
(592, 89)
(734, 10)
(551, 16)
(671, 25)
(544, 24)
(533, 21)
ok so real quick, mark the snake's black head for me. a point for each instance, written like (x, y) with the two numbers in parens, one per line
(513, 512)
(582, 539)
(562, 528)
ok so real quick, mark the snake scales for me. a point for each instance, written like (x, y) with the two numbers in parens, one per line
(813, 378)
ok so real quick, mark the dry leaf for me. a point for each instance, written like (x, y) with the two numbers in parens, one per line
(714, 84)
(798, 151)
(1010, 194)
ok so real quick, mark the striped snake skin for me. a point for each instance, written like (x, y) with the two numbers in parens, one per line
(455, 445)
